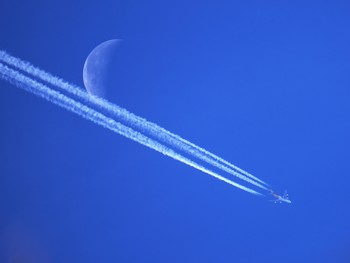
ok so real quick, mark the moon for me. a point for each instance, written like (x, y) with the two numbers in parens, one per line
(98, 66)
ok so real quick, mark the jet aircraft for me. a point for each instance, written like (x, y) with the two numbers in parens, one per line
(279, 198)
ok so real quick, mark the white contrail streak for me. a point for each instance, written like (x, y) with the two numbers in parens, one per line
(43, 91)
(135, 121)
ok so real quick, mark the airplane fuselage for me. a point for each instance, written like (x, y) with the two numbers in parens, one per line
(281, 199)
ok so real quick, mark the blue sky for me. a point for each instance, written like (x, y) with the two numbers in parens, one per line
(263, 84)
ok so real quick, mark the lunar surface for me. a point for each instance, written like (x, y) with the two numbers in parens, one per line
(98, 68)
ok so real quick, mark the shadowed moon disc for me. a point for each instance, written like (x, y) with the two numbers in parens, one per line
(98, 68)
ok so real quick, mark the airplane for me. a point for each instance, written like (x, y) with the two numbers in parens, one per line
(280, 199)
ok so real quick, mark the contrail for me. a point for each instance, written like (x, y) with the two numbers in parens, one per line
(137, 122)
(43, 91)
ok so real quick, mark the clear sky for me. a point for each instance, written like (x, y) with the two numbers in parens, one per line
(263, 84)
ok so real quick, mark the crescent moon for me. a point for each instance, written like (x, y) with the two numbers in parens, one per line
(97, 67)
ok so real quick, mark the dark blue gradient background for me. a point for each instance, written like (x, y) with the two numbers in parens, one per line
(263, 84)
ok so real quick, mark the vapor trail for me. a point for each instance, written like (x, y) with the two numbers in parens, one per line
(43, 91)
(136, 122)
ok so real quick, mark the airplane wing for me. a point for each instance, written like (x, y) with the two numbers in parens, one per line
(275, 201)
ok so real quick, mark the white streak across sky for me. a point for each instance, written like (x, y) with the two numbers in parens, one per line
(105, 114)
